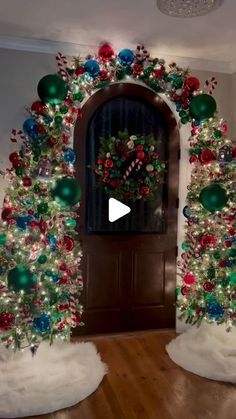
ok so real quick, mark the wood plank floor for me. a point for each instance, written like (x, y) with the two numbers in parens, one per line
(143, 383)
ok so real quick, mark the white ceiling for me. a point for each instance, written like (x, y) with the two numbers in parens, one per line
(80, 25)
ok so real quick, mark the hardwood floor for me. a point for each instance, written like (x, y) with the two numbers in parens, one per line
(143, 383)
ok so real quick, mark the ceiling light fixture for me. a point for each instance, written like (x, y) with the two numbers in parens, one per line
(187, 8)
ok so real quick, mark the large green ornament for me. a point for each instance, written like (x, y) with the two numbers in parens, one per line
(213, 197)
(20, 279)
(52, 89)
(202, 106)
(66, 192)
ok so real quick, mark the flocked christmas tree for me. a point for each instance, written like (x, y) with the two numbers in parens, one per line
(40, 279)
(208, 261)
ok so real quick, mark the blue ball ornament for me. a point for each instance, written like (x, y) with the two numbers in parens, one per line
(186, 211)
(42, 323)
(55, 277)
(126, 57)
(22, 222)
(178, 106)
(92, 68)
(69, 156)
(215, 310)
(29, 127)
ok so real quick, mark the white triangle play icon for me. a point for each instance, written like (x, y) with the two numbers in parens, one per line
(117, 210)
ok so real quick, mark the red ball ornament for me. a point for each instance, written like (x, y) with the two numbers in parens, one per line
(140, 155)
(193, 159)
(208, 286)
(193, 83)
(139, 147)
(232, 231)
(108, 163)
(52, 141)
(68, 244)
(79, 71)
(106, 53)
(63, 307)
(17, 163)
(77, 317)
(137, 69)
(38, 107)
(224, 128)
(27, 182)
(227, 243)
(40, 128)
(6, 320)
(189, 279)
(145, 190)
(206, 156)
(207, 240)
(222, 263)
(14, 156)
(158, 73)
(184, 290)
(103, 75)
(6, 215)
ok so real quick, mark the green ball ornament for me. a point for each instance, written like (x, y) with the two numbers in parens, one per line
(213, 197)
(232, 253)
(202, 106)
(185, 247)
(37, 188)
(184, 119)
(63, 109)
(42, 208)
(19, 171)
(58, 120)
(78, 96)
(70, 222)
(42, 259)
(52, 89)
(232, 278)
(3, 239)
(20, 279)
(211, 273)
(217, 134)
(66, 192)
(216, 255)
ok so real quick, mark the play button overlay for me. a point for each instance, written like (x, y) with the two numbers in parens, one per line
(117, 210)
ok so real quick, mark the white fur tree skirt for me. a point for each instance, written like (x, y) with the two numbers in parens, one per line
(58, 376)
(208, 351)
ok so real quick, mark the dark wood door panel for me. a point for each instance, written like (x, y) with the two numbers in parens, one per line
(103, 293)
(147, 284)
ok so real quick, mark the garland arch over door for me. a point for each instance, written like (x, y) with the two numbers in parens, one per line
(129, 275)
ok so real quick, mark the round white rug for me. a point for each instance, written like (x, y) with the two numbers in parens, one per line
(208, 351)
(58, 376)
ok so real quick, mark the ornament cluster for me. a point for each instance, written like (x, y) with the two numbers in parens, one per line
(129, 167)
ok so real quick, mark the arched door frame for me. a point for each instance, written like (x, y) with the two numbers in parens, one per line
(182, 133)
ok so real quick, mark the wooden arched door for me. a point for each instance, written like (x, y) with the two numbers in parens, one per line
(129, 267)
